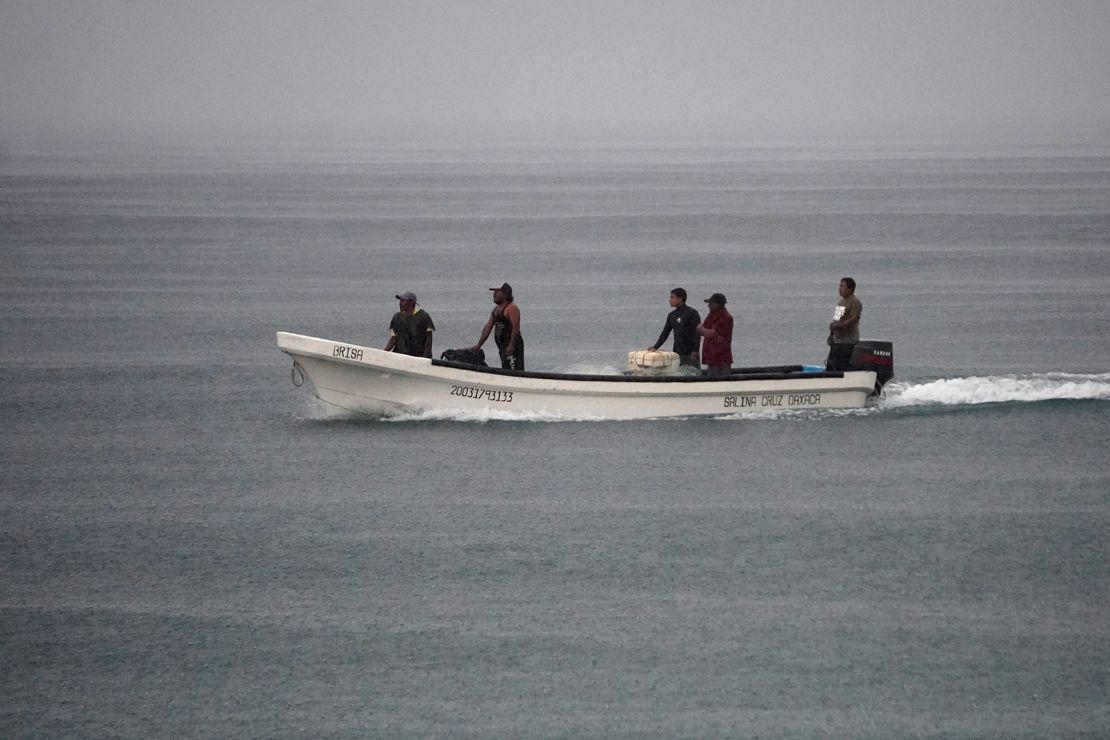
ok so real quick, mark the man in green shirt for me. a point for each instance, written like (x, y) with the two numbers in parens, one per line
(410, 331)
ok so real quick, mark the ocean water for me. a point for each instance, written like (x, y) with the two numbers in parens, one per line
(192, 547)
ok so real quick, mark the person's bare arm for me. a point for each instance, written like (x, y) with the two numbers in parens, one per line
(485, 334)
(512, 313)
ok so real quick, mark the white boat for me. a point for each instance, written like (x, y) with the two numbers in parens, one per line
(370, 381)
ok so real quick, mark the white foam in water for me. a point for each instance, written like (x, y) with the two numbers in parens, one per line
(320, 411)
(999, 389)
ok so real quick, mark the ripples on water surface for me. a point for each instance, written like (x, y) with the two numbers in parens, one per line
(193, 547)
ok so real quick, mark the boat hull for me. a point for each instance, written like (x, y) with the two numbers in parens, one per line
(369, 381)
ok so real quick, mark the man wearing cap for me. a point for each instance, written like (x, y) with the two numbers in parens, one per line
(410, 331)
(716, 332)
(504, 322)
(683, 321)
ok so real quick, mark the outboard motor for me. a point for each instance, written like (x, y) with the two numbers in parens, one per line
(875, 355)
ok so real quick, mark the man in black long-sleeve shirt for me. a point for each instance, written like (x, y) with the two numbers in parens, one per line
(684, 321)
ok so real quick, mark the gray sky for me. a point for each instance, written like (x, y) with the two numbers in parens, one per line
(681, 69)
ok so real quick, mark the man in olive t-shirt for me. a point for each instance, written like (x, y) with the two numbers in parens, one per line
(844, 329)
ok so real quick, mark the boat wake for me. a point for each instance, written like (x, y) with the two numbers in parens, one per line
(315, 410)
(972, 391)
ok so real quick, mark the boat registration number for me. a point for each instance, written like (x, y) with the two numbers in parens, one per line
(773, 400)
(482, 394)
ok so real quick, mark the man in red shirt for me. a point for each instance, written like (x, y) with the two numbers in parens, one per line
(716, 332)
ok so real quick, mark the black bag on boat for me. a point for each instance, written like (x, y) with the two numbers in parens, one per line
(466, 356)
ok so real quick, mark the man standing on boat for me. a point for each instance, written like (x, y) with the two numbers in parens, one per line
(716, 330)
(410, 331)
(844, 329)
(683, 321)
(504, 322)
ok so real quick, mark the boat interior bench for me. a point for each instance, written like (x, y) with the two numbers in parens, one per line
(775, 372)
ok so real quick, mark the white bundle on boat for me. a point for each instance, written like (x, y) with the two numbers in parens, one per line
(649, 361)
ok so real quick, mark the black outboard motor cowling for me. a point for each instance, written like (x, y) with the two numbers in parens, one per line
(876, 355)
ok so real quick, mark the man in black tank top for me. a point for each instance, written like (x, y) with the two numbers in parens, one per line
(504, 322)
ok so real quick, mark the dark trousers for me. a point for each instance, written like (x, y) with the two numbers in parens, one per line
(515, 361)
(840, 357)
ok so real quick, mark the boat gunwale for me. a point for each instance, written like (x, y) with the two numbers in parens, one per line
(754, 373)
(385, 363)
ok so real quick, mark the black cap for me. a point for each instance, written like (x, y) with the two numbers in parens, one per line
(717, 298)
(506, 289)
